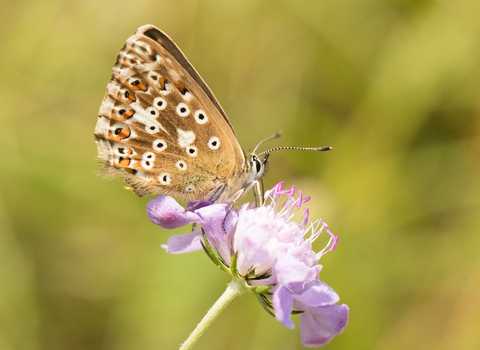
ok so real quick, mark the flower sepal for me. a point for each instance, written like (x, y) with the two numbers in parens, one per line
(212, 254)
(259, 289)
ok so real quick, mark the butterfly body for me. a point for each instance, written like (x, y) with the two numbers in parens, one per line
(161, 128)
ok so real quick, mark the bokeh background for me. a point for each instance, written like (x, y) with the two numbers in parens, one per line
(392, 85)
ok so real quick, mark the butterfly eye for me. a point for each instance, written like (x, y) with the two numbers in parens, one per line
(159, 145)
(201, 117)
(160, 103)
(258, 165)
(182, 110)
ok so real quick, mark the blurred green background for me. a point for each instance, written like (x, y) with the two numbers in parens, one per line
(393, 86)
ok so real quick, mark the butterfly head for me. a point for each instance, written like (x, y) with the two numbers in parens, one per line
(256, 167)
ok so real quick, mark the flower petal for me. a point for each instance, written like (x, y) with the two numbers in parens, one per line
(283, 305)
(164, 211)
(289, 270)
(318, 294)
(212, 217)
(312, 334)
(320, 325)
(215, 224)
(186, 243)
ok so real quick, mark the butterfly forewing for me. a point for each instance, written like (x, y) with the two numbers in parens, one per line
(161, 127)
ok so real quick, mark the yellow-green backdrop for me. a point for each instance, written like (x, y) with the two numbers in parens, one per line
(392, 85)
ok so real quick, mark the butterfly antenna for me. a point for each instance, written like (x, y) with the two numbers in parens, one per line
(318, 149)
(275, 136)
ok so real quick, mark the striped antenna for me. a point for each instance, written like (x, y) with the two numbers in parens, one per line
(318, 149)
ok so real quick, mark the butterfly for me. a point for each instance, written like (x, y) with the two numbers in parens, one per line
(162, 129)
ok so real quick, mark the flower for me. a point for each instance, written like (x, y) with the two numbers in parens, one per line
(269, 251)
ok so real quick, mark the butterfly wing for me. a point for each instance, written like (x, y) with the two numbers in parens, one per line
(160, 125)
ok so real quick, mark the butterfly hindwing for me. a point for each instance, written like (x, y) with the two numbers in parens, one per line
(160, 126)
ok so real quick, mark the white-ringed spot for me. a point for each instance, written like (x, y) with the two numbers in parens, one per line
(165, 178)
(182, 110)
(214, 143)
(159, 145)
(153, 112)
(190, 189)
(192, 151)
(151, 128)
(201, 117)
(149, 156)
(147, 164)
(160, 103)
(181, 165)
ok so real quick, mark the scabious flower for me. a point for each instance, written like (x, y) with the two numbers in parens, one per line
(266, 249)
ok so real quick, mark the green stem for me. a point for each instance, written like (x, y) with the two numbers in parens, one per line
(234, 289)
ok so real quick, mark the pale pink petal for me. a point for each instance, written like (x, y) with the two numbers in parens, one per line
(167, 213)
(312, 334)
(282, 304)
(288, 270)
(215, 224)
(320, 325)
(318, 294)
(333, 318)
(186, 243)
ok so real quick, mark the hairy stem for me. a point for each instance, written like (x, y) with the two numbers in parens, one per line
(234, 289)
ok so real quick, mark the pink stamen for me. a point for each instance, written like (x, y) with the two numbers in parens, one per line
(290, 192)
(306, 213)
(334, 243)
(300, 202)
(334, 240)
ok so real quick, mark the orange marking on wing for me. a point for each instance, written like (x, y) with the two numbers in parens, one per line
(182, 88)
(124, 162)
(141, 86)
(162, 82)
(128, 114)
(122, 134)
(130, 171)
(129, 96)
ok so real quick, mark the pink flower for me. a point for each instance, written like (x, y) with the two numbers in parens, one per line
(269, 251)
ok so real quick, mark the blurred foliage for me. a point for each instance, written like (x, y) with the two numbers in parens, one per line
(392, 85)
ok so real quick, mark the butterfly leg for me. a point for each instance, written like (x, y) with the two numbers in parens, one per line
(193, 206)
(258, 192)
(235, 198)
